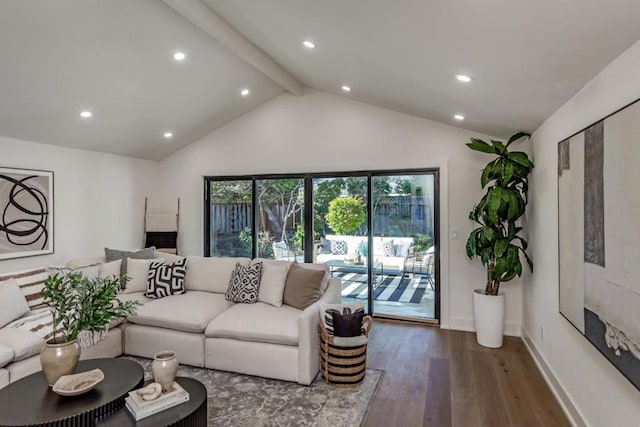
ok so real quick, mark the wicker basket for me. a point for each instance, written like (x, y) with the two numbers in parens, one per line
(343, 366)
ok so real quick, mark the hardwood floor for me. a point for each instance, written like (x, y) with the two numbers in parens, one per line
(437, 377)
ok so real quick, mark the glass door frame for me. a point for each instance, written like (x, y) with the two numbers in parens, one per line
(308, 220)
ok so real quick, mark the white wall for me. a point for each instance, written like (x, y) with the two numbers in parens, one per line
(99, 199)
(600, 394)
(319, 132)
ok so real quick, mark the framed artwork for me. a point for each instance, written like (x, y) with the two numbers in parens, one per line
(599, 236)
(26, 213)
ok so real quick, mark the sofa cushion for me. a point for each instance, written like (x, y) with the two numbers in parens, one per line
(31, 283)
(110, 269)
(189, 312)
(325, 279)
(244, 283)
(134, 296)
(23, 343)
(166, 279)
(302, 287)
(115, 254)
(6, 355)
(210, 274)
(257, 322)
(89, 271)
(274, 277)
(13, 304)
(138, 274)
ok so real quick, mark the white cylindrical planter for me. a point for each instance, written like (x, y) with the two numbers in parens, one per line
(488, 311)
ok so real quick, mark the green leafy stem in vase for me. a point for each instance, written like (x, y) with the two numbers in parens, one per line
(81, 304)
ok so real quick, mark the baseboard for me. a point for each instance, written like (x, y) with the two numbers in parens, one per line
(570, 410)
(511, 329)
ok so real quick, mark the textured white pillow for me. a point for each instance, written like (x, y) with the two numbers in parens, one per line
(210, 274)
(13, 304)
(110, 269)
(274, 277)
(138, 273)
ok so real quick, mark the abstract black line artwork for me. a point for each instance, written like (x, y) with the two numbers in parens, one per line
(26, 213)
(599, 236)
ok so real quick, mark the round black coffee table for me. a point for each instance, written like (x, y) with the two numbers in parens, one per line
(30, 401)
(189, 414)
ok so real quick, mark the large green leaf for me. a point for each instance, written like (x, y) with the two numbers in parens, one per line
(517, 136)
(499, 147)
(520, 158)
(471, 244)
(479, 145)
(507, 172)
(494, 202)
(501, 247)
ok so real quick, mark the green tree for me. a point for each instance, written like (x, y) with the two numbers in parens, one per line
(346, 214)
(324, 192)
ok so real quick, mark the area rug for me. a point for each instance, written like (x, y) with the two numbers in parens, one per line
(391, 288)
(243, 400)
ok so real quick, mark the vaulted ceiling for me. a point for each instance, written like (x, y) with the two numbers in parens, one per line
(115, 59)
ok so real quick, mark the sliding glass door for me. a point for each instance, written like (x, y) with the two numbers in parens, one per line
(376, 231)
(340, 227)
(404, 242)
(280, 218)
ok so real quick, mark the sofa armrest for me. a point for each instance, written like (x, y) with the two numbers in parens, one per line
(308, 341)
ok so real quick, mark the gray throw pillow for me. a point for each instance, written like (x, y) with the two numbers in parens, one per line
(115, 254)
(302, 287)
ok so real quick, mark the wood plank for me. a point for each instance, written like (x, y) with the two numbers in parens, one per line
(438, 406)
(437, 377)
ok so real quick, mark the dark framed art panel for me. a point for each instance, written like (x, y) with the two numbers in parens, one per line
(26, 213)
(599, 236)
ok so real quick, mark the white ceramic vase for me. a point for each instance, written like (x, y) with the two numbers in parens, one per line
(59, 358)
(164, 368)
(488, 312)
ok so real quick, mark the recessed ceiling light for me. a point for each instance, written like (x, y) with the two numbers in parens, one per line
(168, 135)
(245, 92)
(459, 117)
(346, 88)
(86, 114)
(179, 56)
(463, 78)
(309, 44)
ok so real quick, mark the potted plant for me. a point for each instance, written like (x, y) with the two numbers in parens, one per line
(497, 241)
(79, 306)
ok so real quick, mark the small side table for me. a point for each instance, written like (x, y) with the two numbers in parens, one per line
(31, 402)
(189, 414)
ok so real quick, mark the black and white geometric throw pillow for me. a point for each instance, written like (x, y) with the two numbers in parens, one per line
(244, 283)
(338, 247)
(166, 279)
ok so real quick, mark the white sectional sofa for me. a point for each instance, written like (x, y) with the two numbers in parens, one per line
(203, 328)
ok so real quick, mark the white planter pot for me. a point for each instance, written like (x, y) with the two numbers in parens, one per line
(488, 311)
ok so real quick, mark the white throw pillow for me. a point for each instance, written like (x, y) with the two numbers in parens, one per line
(110, 269)
(138, 274)
(211, 274)
(274, 277)
(13, 304)
(89, 271)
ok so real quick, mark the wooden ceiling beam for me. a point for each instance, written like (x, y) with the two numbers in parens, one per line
(211, 23)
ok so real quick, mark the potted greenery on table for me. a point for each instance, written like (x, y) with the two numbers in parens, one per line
(497, 241)
(79, 306)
